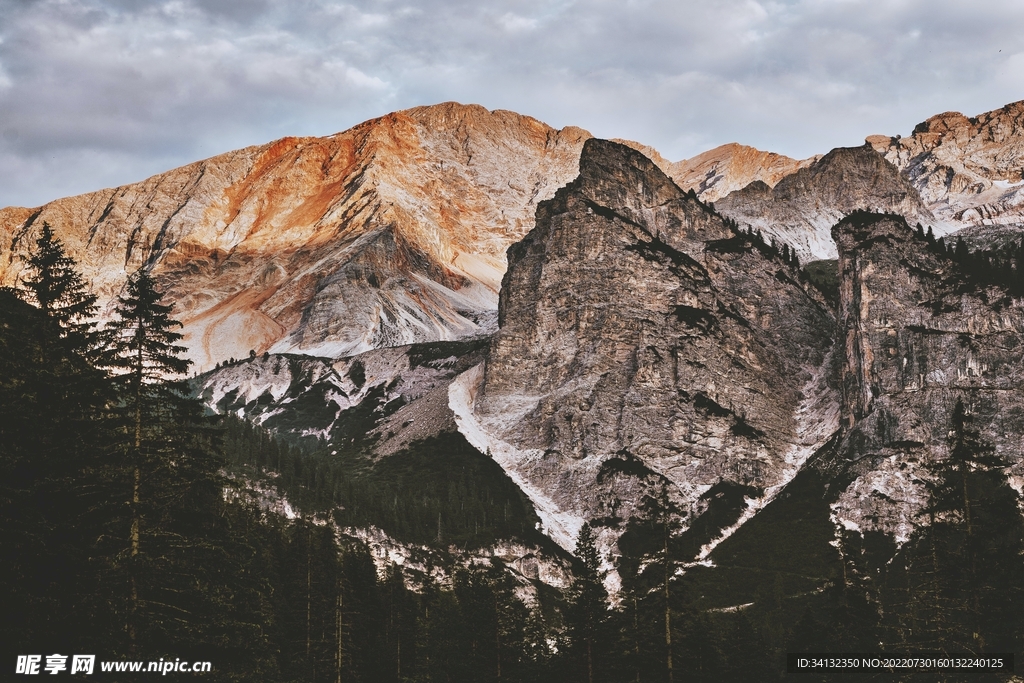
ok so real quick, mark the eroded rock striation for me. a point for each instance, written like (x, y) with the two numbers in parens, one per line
(645, 344)
(918, 334)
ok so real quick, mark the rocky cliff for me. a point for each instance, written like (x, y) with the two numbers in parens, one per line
(646, 347)
(918, 334)
(389, 233)
(969, 171)
(804, 205)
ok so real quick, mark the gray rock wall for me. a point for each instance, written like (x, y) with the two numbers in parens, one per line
(636, 326)
(917, 336)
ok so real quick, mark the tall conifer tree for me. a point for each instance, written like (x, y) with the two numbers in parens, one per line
(587, 608)
(173, 487)
(56, 287)
(53, 436)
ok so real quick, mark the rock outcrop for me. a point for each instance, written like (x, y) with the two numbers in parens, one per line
(969, 171)
(918, 335)
(802, 208)
(645, 345)
(390, 233)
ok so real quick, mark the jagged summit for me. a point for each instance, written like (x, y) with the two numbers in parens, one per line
(389, 233)
(644, 342)
(970, 171)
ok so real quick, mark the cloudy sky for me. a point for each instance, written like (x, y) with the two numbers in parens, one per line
(95, 93)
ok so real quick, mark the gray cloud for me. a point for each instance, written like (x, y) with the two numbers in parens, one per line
(101, 92)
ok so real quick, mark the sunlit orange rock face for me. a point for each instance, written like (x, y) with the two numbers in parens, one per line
(719, 171)
(389, 233)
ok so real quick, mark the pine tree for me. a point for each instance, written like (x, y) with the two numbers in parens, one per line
(399, 610)
(169, 470)
(363, 615)
(53, 434)
(957, 494)
(59, 291)
(956, 587)
(587, 610)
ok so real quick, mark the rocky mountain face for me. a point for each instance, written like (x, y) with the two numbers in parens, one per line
(969, 171)
(917, 336)
(802, 207)
(727, 168)
(395, 231)
(646, 347)
(966, 171)
(385, 399)
(390, 233)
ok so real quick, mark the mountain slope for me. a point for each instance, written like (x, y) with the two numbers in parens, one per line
(717, 172)
(389, 233)
(378, 401)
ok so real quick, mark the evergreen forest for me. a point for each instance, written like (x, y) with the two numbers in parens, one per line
(130, 530)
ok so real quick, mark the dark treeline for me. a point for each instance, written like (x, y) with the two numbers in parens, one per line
(438, 491)
(127, 533)
(1001, 266)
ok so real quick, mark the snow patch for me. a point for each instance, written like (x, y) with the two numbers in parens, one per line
(563, 527)
(817, 419)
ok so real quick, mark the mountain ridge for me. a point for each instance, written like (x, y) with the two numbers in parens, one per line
(394, 231)
(271, 247)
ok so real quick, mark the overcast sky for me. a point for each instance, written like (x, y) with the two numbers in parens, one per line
(96, 93)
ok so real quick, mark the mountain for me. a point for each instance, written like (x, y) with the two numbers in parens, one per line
(643, 340)
(645, 345)
(969, 171)
(802, 207)
(753, 456)
(966, 171)
(648, 350)
(389, 233)
(717, 172)
(394, 232)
